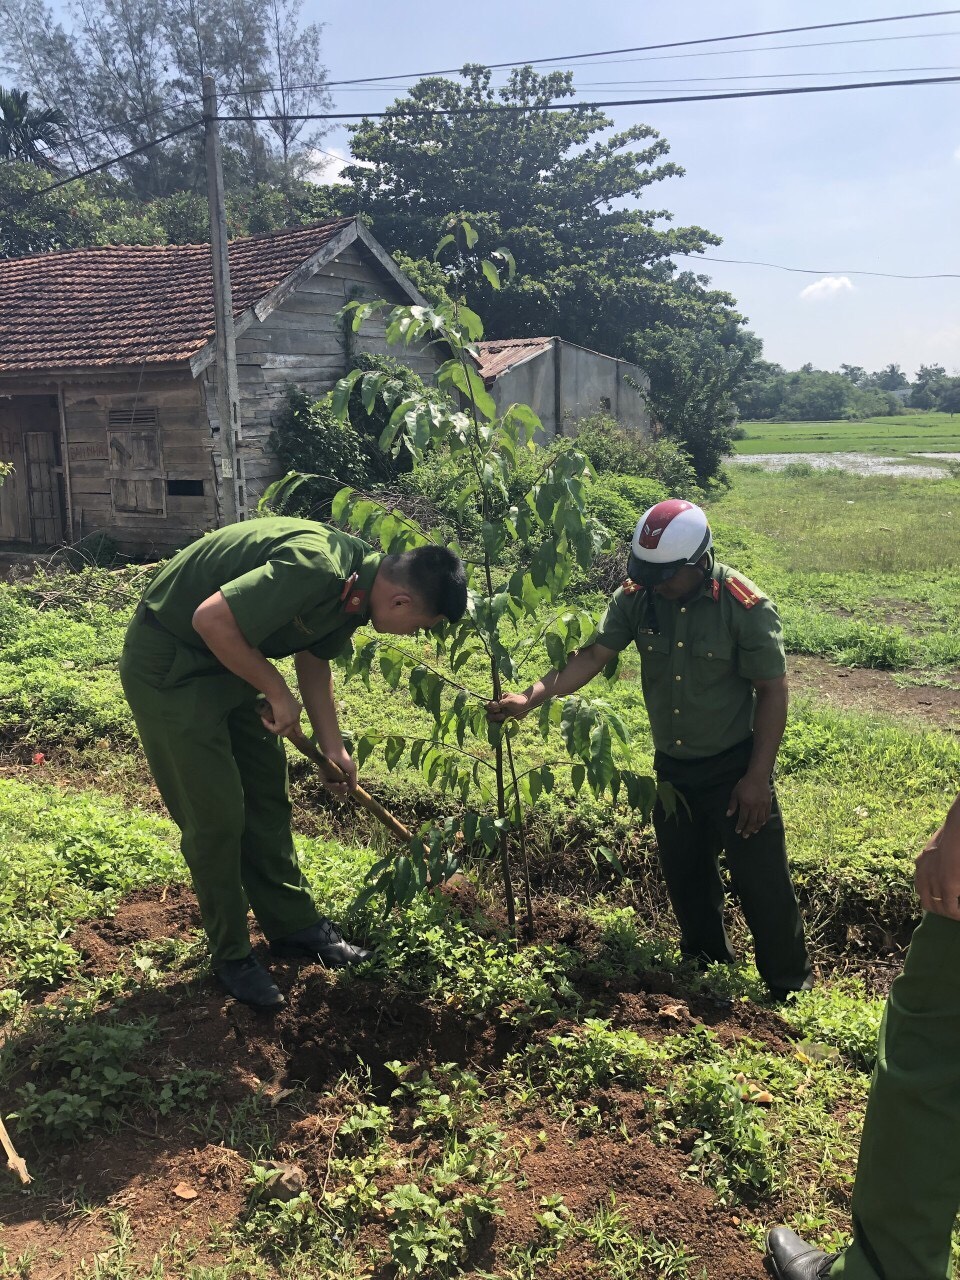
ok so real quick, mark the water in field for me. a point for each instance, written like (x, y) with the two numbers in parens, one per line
(864, 464)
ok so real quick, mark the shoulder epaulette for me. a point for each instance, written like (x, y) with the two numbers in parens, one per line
(630, 588)
(742, 592)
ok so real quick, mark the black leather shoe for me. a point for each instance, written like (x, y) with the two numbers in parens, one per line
(248, 981)
(790, 1258)
(322, 941)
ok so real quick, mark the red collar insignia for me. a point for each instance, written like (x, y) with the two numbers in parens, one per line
(352, 597)
(715, 589)
(630, 587)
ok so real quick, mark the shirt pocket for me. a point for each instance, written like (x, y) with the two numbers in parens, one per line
(712, 660)
(654, 652)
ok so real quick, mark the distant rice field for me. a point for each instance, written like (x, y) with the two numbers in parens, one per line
(889, 437)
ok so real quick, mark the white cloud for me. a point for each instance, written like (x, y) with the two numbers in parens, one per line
(956, 154)
(826, 288)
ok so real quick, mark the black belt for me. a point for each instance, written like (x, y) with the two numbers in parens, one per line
(150, 619)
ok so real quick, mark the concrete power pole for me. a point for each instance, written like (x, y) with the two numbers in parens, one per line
(234, 496)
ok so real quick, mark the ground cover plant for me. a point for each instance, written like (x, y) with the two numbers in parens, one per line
(583, 1105)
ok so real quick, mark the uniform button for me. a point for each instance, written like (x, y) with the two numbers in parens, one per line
(679, 742)
(678, 677)
(676, 711)
(649, 648)
(679, 644)
(710, 654)
(683, 608)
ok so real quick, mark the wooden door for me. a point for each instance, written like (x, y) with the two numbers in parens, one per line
(43, 488)
(14, 515)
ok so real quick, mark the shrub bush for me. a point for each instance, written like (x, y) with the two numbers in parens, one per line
(610, 448)
(308, 438)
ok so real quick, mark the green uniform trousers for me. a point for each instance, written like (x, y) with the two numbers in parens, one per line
(690, 841)
(224, 779)
(907, 1192)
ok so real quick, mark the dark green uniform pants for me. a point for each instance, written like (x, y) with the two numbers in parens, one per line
(690, 842)
(907, 1193)
(224, 779)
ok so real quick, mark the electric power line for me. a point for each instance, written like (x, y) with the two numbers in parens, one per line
(812, 271)
(515, 109)
(107, 164)
(672, 44)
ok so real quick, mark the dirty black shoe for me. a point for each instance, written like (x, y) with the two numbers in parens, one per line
(790, 1258)
(248, 981)
(322, 941)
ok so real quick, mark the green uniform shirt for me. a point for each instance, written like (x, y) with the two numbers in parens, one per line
(285, 581)
(697, 660)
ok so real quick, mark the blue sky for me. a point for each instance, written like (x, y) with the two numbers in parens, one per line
(864, 180)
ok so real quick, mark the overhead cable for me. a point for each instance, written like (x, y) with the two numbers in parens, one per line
(812, 271)
(516, 109)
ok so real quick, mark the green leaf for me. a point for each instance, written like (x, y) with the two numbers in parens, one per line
(491, 273)
(470, 236)
(442, 244)
(341, 393)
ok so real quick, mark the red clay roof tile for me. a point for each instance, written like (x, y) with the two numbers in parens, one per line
(133, 304)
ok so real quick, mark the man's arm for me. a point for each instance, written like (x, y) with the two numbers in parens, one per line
(315, 681)
(937, 874)
(580, 670)
(215, 624)
(752, 795)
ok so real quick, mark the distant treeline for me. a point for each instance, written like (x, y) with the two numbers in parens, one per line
(815, 395)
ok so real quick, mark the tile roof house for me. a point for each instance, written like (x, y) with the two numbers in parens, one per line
(563, 382)
(107, 394)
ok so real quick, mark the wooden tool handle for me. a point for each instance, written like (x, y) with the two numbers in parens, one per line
(358, 795)
(14, 1161)
(335, 774)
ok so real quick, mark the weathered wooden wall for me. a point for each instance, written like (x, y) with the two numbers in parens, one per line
(302, 344)
(185, 453)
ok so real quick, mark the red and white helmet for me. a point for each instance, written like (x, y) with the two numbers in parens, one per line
(672, 532)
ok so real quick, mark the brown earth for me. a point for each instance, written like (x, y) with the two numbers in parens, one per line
(873, 692)
(329, 1023)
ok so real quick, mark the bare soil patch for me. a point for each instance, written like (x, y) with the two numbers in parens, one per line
(330, 1022)
(870, 691)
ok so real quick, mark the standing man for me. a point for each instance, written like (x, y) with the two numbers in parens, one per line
(906, 1196)
(195, 659)
(713, 672)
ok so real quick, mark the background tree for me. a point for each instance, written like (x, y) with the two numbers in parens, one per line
(948, 400)
(25, 134)
(594, 266)
(892, 378)
(123, 73)
(926, 386)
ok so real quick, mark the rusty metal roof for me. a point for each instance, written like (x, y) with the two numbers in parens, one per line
(498, 356)
(134, 304)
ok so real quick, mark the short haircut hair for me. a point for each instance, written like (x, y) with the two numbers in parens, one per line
(435, 575)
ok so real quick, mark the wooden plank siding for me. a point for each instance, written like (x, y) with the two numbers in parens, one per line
(184, 452)
(302, 344)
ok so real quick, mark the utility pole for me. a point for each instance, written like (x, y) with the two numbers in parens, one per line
(234, 504)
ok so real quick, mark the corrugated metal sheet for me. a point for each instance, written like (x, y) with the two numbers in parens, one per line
(498, 356)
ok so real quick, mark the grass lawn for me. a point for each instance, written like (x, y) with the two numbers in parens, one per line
(584, 1105)
(903, 434)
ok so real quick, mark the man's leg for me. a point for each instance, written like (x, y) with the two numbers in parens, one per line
(275, 885)
(187, 744)
(907, 1191)
(688, 849)
(760, 876)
